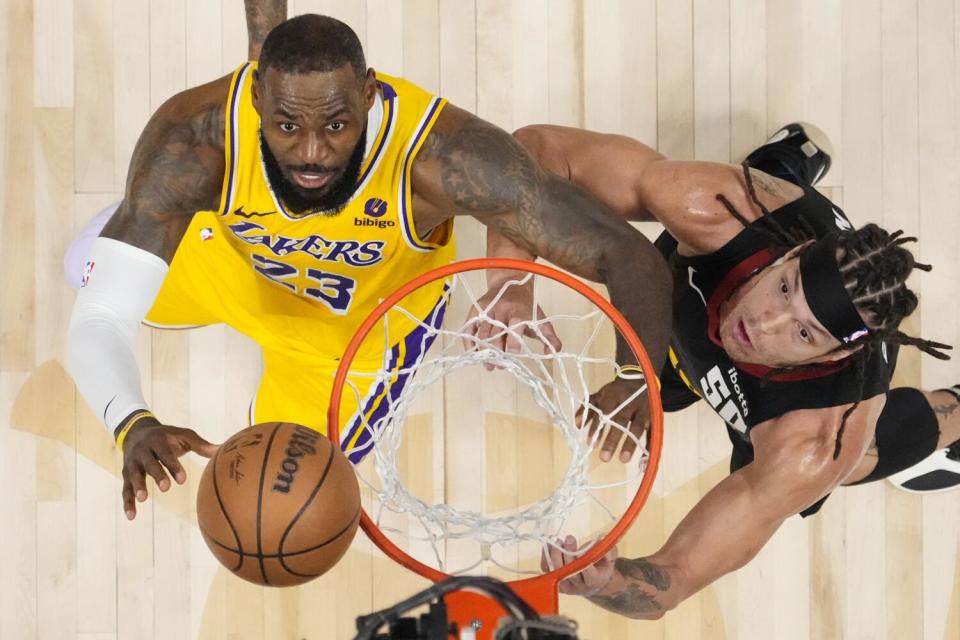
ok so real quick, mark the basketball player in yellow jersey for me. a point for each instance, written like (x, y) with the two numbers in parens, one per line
(285, 200)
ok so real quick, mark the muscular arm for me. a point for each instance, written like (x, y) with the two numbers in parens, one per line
(638, 183)
(177, 166)
(609, 166)
(471, 167)
(176, 169)
(794, 467)
(262, 17)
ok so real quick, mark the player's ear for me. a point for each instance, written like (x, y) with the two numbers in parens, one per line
(369, 89)
(255, 92)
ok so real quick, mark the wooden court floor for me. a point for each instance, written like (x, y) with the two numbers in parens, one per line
(704, 79)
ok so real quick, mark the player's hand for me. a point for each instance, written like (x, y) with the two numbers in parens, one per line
(153, 449)
(588, 582)
(514, 307)
(632, 416)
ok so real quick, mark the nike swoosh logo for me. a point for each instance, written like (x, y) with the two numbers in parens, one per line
(691, 272)
(243, 214)
(841, 222)
(819, 175)
(107, 407)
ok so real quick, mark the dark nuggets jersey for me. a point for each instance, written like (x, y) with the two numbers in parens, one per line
(737, 391)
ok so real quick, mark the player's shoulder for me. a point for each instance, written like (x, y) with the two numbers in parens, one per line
(805, 441)
(177, 166)
(190, 119)
(723, 203)
(414, 105)
(193, 116)
(188, 123)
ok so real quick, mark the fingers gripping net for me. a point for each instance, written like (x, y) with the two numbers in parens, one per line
(461, 341)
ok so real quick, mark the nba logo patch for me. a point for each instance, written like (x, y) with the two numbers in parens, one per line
(206, 234)
(375, 207)
(87, 272)
(841, 220)
(856, 334)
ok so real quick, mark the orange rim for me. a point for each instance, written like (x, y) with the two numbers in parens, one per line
(654, 435)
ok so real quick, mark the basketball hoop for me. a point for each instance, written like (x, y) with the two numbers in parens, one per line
(431, 348)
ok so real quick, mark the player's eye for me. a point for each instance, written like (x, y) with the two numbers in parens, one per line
(784, 288)
(336, 126)
(805, 335)
(288, 127)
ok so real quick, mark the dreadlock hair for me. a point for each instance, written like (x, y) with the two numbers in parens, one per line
(874, 266)
(311, 42)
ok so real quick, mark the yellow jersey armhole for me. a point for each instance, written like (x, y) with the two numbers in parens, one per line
(231, 112)
(441, 234)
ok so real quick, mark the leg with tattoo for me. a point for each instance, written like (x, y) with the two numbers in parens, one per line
(940, 471)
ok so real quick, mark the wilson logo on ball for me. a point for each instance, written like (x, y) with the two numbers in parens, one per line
(302, 443)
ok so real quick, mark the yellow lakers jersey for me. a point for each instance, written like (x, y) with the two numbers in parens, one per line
(301, 285)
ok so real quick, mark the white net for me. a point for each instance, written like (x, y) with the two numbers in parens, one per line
(476, 456)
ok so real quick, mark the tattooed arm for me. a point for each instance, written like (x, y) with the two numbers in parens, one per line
(262, 17)
(794, 467)
(946, 406)
(470, 167)
(639, 589)
(176, 169)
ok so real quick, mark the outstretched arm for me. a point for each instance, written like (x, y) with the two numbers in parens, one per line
(262, 17)
(177, 169)
(609, 166)
(793, 469)
(638, 183)
(471, 167)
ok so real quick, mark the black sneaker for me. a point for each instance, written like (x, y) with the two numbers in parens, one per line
(798, 152)
(953, 451)
(937, 473)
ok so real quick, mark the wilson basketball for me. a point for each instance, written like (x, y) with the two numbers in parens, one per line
(278, 504)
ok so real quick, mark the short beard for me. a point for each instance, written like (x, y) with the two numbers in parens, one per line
(329, 201)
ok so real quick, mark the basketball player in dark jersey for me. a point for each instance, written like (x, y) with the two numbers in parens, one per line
(785, 322)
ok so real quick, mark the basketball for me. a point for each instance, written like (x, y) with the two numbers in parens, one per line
(278, 504)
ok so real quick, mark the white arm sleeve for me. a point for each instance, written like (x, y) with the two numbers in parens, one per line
(120, 284)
